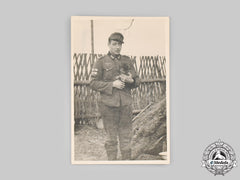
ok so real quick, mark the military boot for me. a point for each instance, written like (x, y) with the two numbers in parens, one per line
(126, 155)
(111, 152)
(112, 155)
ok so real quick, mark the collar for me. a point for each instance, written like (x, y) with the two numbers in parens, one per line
(114, 56)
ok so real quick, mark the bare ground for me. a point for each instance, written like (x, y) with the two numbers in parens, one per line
(89, 144)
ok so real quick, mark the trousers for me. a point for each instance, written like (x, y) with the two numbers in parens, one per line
(117, 123)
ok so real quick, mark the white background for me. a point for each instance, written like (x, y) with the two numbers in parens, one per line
(35, 86)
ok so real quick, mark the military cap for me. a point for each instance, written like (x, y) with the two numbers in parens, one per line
(116, 36)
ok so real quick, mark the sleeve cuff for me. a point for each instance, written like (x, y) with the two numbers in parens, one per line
(109, 88)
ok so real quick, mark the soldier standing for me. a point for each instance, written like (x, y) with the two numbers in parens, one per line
(113, 75)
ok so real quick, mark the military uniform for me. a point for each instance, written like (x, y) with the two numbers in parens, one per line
(115, 104)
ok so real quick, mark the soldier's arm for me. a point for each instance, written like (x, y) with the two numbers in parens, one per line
(96, 79)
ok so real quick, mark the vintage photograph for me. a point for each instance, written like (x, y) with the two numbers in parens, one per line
(120, 90)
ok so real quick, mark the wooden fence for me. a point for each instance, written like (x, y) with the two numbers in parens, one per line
(151, 70)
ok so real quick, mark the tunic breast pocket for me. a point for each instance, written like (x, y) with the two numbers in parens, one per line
(108, 72)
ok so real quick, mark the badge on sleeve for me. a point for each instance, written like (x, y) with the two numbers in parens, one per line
(94, 72)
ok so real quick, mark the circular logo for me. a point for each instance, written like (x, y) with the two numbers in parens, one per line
(219, 158)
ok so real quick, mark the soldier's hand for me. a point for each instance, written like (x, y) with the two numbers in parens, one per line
(118, 84)
(127, 79)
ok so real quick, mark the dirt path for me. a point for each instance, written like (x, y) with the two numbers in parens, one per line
(89, 144)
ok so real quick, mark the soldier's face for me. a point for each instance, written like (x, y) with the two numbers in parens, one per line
(115, 47)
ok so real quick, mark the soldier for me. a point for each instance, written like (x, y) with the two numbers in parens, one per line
(113, 75)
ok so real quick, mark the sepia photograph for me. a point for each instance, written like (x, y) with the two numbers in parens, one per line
(120, 90)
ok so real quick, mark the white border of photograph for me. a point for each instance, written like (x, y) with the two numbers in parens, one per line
(167, 161)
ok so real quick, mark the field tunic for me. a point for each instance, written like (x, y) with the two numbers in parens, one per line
(104, 72)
